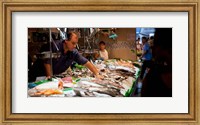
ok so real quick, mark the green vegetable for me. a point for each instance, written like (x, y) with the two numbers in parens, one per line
(136, 64)
(130, 91)
(67, 89)
(42, 81)
(79, 66)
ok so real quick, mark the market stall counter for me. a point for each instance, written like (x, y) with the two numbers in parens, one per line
(119, 80)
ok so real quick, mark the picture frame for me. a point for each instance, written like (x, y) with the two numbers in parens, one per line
(7, 7)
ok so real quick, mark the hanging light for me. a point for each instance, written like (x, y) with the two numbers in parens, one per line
(113, 35)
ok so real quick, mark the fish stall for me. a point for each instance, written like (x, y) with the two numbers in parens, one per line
(119, 80)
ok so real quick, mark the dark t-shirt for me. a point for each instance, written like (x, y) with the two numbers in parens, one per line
(65, 60)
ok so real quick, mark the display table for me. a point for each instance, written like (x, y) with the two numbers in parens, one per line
(119, 80)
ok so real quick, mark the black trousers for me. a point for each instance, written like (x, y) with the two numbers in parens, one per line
(146, 64)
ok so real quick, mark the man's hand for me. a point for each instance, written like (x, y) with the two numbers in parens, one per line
(48, 77)
(92, 68)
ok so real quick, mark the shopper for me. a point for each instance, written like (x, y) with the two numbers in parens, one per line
(158, 81)
(150, 41)
(102, 54)
(146, 57)
(138, 45)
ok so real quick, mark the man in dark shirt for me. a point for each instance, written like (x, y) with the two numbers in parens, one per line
(66, 58)
(68, 55)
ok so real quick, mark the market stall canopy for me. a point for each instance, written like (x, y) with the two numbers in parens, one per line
(146, 32)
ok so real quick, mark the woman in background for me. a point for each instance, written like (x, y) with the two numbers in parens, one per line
(102, 54)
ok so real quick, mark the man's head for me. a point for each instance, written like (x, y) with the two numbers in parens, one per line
(102, 45)
(144, 40)
(71, 41)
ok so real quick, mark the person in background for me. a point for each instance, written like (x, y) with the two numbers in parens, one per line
(146, 57)
(138, 45)
(150, 41)
(102, 54)
(68, 55)
(158, 81)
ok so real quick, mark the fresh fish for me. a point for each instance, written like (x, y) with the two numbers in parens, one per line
(83, 94)
(49, 85)
(67, 79)
(112, 93)
(89, 83)
(91, 89)
(125, 69)
(101, 95)
(49, 92)
(107, 82)
(89, 94)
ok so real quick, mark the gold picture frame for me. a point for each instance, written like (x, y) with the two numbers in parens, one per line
(9, 6)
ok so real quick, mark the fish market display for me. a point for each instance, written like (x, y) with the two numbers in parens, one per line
(48, 92)
(50, 85)
(125, 63)
(47, 89)
(118, 79)
(67, 82)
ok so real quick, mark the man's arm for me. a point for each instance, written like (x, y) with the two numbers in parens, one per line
(83, 61)
(48, 70)
(92, 68)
